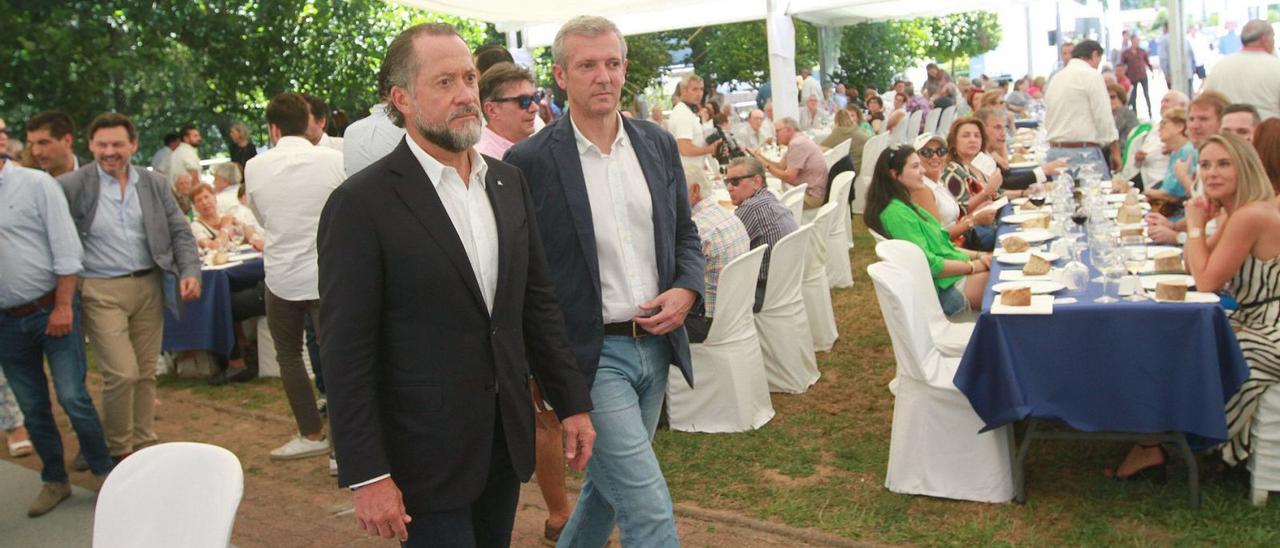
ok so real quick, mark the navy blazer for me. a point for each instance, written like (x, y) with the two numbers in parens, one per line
(553, 169)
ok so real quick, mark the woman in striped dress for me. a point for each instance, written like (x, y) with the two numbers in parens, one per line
(1242, 257)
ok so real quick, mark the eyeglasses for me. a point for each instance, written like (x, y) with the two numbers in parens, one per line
(525, 100)
(734, 181)
(931, 152)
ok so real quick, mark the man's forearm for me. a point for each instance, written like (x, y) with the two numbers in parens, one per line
(66, 290)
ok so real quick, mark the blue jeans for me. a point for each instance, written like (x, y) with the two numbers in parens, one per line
(623, 481)
(953, 300)
(1077, 157)
(23, 350)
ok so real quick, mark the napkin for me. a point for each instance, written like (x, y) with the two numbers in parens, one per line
(1041, 305)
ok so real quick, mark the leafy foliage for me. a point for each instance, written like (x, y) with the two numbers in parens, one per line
(739, 52)
(874, 52)
(968, 34)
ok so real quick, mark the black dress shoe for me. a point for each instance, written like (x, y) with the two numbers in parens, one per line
(232, 374)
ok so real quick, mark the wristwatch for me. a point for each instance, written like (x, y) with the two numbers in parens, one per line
(1182, 238)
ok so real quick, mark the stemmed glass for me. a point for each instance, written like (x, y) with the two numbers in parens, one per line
(1075, 273)
(1111, 263)
(1135, 259)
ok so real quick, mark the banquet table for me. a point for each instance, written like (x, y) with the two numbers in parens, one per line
(1124, 370)
(206, 323)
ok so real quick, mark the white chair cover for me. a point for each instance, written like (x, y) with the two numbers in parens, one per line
(1264, 462)
(948, 117)
(931, 121)
(793, 198)
(935, 448)
(836, 153)
(171, 494)
(898, 134)
(870, 154)
(816, 290)
(913, 129)
(951, 337)
(732, 392)
(877, 236)
(783, 326)
(840, 237)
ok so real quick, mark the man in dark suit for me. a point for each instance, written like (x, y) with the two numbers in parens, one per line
(613, 213)
(437, 303)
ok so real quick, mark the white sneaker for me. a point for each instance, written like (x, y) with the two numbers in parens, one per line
(300, 448)
(333, 465)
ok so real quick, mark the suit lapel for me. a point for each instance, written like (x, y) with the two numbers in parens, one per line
(564, 154)
(416, 190)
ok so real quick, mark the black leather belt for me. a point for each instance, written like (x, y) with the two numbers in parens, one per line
(29, 308)
(625, 329)
(135, 274)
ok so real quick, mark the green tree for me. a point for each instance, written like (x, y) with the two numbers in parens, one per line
(960, 35)
(873, 53)
(738, 53)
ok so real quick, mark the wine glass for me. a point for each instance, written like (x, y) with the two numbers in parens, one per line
(1035, 195)
(1135, 260)
(1075, 273)
(1109, 262)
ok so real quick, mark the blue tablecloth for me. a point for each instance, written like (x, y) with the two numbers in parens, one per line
(206, 323)
(1121, 367)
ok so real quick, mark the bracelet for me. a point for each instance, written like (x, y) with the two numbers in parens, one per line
(1194, 233)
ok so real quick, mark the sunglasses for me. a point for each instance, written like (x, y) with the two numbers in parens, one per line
(733, 181)
(931, 152)
(525, 100)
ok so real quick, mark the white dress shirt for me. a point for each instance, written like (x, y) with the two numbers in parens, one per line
(329, 141)
(183, 159)
(1251, 78)
(368, 139)
(287, 186)
(810, 87)
(622, 218)
(471, 214)
(1078, 108)
(685, 124)
(160, 161)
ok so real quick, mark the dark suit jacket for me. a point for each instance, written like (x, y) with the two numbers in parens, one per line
(550, 160)
(173, 246)
(414, 357)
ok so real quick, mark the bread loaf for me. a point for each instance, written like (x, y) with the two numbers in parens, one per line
(1129, 214)
(1168, 262)
(1016, 296)
(1171, 291)
(1014, 244)
(1119, 186)
(1028, 206)
(1041, 221)
(1131, 232)
(1036, 266)
(1131, 198)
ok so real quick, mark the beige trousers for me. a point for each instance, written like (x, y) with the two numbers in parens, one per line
(124, 320)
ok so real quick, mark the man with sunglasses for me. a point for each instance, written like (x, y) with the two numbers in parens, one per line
(509, 100)
(766, 218)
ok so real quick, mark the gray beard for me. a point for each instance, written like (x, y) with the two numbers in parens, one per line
(445, 137)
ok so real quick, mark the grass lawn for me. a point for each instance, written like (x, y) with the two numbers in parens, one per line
(821, 463)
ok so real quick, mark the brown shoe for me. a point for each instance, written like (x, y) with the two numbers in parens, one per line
(95, 481)
(50, 495)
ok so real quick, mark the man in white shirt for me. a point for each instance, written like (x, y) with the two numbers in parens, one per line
(755, 133)
(185, 159)
(160, 160)
(509, 99)
(809, 87)
(811, 116)
(686, 126)
(317, 120)
(1078, 113)
(370, 138)
(1252, 75)
(287, 187)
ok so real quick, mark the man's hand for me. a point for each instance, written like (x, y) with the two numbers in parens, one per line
(579, 438)
(1051, 169)
(59, 321)
(1162, 234)
(189, 288)
(380, 510)
(672, 305)
(1140, 156)
(1156, 219)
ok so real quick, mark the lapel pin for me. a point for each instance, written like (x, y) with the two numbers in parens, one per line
(499, 183)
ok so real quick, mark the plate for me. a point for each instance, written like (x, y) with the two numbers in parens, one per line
(1119, 198)
(1019, 218)
(1195, 297)
(1022, 258)
(1149, 282)
(1038, 287)
(1040, 305)
(1033, 236)
(1153, 250)
(225, 265)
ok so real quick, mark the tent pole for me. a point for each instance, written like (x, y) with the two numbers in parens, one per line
(782, 59)
(1177, 53)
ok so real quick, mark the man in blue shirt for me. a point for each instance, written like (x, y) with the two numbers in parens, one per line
(134, 235)
(40, 256)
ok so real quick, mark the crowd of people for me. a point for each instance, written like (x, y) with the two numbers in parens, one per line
(491, 284)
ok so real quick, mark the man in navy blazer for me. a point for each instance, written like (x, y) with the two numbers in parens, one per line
(613, 214)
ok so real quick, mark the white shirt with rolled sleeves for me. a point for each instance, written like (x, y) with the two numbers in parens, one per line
(685, 124)
(1078, 108)
(622, 218)
(287, 186)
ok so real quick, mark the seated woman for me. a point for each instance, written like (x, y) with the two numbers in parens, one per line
(1018, 101)
(875, 113)
(842, 130)
(971, 187)
(993, 122)
(1243, 258)
(960, 276)
(1126, 120)
(936, 199)
(899, 113)
(1167, 195)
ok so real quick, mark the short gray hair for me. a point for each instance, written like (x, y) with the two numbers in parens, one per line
(240, 127)
(584, 25)
(229, 171)
(754, 167)
(694, 176)
(688, 78)
(401, 65)
(1255, 30)
(787, 122)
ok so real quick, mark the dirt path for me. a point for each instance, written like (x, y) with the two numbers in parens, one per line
(297, 503)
